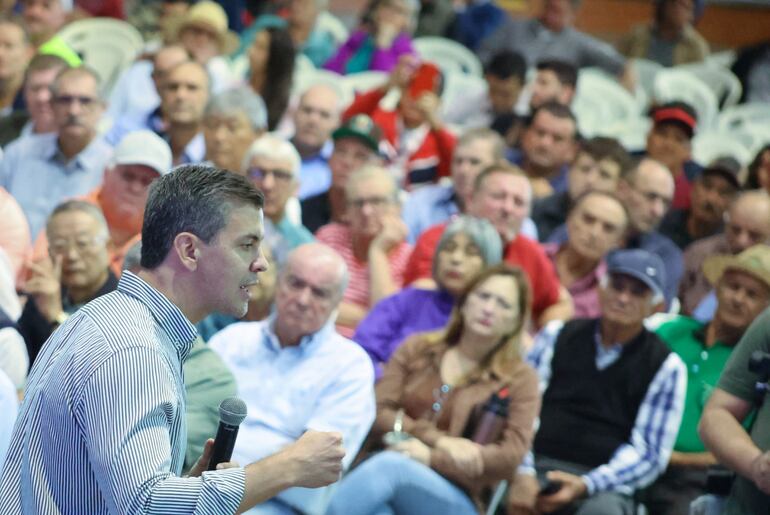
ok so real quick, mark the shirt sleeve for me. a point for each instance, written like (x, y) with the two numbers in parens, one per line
(736, 379)
(127, 412)
(637, 463)
(600, 54)
(378, 333)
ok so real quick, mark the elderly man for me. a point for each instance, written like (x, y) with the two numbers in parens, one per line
(552, 35)
(502, 194)
(599, 165)
(548, 147)
(233, 120)
(372, 244)
(742, 283)
(15, 53)
(42, 170)
(613, 396)
(76, 271)
(596, 225)
(295, 372)
(747, 223)
(356, 143)
(37, 116)
(44, 18)
(711, 194)
(647, 191)
(315, 118)
(272, 164)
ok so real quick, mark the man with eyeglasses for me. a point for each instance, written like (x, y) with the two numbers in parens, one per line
(372, 244)
(613, 396)
(296, 373)
(272, 164)
(75, 272)
(43, 169)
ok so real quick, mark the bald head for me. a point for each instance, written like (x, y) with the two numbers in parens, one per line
(647, 192)
(325, 263)
(747, 222)
(317, 115)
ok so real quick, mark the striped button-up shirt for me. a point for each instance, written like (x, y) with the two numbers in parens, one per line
(102, 427)
(638, 462)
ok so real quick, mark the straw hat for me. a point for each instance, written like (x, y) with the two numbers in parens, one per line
(211, 17)
(754, 261)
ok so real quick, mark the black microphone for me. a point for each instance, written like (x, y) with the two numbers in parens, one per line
(232, 411)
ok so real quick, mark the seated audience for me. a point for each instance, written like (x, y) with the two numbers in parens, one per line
(613, 396)
(553, 36)
(43, 169)
(296, 373)
(711, 194)
(759, 170)
(16, 53)
(467, 246)
(670, 39)
(422, 146)
(548, 146)
(381, 40)
(232, 121)
(502, 194)
(597, 224)
(372, 244)
(494, 107)
(37, 115)
(439, 457)
(356, 143)
(742, 283)
(271, 56)
(76, 271)
(599, 165)
(647, 191)
(670, 142)
(315, 119)
(273, 164)
(309, 37)
(747, 223)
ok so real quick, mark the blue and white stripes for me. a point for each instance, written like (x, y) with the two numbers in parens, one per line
(102, 427)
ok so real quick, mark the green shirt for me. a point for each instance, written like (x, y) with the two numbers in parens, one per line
(686, 337)
(737, 380)
(208, 382)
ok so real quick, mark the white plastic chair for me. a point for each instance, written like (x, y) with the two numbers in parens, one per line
(707, 146)
(646, 71)
(737, 116)
(448, 55)
(724, 58)
(632, 134)
(600, 101)
(725, 85)
(681, 85)
(365, 81)
(326, 21)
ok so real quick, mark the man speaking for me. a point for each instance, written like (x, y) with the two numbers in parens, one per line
(102, 426)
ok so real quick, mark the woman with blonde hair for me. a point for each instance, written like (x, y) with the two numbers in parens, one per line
(455, 409)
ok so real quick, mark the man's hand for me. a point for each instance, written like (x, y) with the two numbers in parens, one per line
(429, 104)
(393, 232)
(465, 453)
(317, 458)
(402, 73)
(203, 462)
(572, 489)
(522, 495)
(760, 472)
(415, 449)
(44, 286)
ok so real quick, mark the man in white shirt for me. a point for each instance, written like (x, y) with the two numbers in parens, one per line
(296, 373)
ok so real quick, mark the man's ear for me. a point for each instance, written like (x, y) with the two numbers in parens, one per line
(187, 248)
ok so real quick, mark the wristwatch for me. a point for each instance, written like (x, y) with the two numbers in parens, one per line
(61, 318)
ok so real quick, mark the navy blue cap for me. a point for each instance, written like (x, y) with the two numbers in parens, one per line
(639, 264)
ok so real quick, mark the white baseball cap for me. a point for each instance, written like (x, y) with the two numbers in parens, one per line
(143, 148)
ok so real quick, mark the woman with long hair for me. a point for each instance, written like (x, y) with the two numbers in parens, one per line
(455, 409)
(271, 55)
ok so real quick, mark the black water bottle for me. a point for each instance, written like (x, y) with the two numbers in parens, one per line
(493, 417)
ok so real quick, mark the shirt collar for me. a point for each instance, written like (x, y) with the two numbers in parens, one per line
(87, 159)
(168, 316)
(306, 342)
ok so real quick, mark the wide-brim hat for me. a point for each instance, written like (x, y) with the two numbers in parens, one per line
(754, 261)
(210, 16)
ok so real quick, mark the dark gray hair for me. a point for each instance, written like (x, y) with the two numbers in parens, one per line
(81, 70)
(71, 206)
(481, 232)
(192, 198)
(240, 100)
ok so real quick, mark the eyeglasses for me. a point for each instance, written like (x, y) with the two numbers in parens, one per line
(259, 174)
(68, 100)
(82, 244)
(375, 202)
(622, 283)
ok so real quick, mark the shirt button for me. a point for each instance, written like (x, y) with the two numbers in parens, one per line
(704, 355)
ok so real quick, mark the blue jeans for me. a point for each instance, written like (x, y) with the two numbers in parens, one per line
(389, 483)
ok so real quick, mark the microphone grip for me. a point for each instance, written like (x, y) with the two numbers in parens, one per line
(224, 443)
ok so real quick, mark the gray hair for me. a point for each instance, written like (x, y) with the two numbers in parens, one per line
(484, 133)
(271, 146)
(481, 232)
(371, 172)
(240, 100)
(80, 206)
(132, 259)
(81, 70)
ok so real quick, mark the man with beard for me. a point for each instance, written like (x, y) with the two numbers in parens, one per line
(43, 169)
